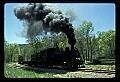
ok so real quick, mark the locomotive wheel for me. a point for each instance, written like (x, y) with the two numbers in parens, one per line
(70, 65)
(50, 65)
(45, 65)
(75, 66)
(42, 65)
(63, 65)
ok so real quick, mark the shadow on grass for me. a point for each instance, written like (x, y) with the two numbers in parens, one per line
(45, 70)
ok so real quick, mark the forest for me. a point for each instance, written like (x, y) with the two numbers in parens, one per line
(89, 44)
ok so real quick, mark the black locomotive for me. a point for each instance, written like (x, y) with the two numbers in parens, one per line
(70, 59)
(55, 57)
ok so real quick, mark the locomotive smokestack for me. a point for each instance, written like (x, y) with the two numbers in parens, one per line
(71, 38)
(40, 18)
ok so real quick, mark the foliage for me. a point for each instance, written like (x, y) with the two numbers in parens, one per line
(89, 44)
(106, 42)
(12, 71)
(60, 39)
(84, 37)
(11, 52)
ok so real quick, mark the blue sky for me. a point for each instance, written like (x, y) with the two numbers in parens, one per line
(102, 15)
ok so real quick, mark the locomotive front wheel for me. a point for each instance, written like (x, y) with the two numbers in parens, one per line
(63, 65)
(70, 65)
(45, 65)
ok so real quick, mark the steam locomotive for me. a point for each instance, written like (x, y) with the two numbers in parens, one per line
(68, 59)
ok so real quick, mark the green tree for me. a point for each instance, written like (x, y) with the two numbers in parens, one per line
(6, 52)
(80, 41)
(61, 39)
(16, 52)
(106, 42)
(27, 50)
(11, 52)
(35, 43)
(84, 31)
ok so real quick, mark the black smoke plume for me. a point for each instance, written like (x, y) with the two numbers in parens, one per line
(40, 17)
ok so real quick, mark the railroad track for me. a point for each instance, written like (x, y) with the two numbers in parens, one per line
(97, 71)
(60, 70)
(80, 73)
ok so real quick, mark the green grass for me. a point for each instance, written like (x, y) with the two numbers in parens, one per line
(11, 71)
(14, 71)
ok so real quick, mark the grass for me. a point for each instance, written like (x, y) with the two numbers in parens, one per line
(106, 64)
(99, 67)
(11, 71)
(14, 71)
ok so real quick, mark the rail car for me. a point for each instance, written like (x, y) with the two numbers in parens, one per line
(55, 57)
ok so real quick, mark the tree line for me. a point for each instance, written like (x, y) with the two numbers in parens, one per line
(89, 44)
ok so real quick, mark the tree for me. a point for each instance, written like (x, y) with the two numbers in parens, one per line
(16, 52)
(61, 39)
(35, 43)
(80, 41)
(84, 31)
(11, 52)
(26, 51)
(6, 53)
(106, 42)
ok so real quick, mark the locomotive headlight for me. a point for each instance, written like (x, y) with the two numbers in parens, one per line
(64, 62)
(77, 58)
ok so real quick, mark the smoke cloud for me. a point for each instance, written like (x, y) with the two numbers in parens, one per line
(41, 17)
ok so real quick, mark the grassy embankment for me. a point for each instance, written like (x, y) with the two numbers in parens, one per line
(12, 71)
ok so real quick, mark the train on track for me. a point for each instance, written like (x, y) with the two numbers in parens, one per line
(68, 59)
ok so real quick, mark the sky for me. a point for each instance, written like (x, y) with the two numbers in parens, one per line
(102, 15)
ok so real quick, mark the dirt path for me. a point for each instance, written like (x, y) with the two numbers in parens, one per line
(81, 74)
